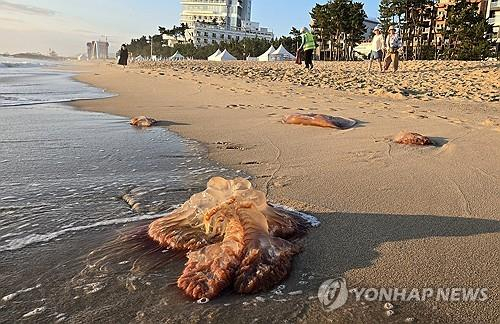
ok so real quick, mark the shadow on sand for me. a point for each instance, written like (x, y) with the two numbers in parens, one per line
(167, 123)
(354, 238)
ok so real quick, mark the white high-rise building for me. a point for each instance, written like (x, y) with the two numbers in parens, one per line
(214, 21)
(223, 12)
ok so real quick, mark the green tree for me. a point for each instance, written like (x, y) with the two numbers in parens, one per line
(466, 32)
(339, 24)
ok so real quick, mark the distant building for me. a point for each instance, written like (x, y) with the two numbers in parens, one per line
(97, 50)
(370, 25)
(493, 15)
(229, 13)
(215, 21)
(203, 34)
(442, 16)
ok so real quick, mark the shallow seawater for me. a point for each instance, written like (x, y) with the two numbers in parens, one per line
(63, 175)
(65, 171)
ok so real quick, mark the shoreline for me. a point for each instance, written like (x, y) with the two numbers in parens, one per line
(383, 208)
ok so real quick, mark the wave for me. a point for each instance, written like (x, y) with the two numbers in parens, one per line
(22, 64)
(32, 103)
(19, 243)
(31, 239)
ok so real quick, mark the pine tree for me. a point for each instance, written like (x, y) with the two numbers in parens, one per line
(466, 30)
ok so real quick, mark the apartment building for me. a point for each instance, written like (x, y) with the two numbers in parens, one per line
(493, 15)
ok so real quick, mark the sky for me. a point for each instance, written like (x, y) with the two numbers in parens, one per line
(66, 25)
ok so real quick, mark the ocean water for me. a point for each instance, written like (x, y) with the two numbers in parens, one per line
(27, 82)
(63, 175)
(65, 170)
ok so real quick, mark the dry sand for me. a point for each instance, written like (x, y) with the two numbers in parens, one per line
(392, 215)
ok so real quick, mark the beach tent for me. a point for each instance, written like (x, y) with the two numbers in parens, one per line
(214, 55)
(225, 56)
(281, 54)
(363, 49)
(176, 57)
(265, 57)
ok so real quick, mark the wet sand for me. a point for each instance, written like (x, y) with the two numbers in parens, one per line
(392, 215)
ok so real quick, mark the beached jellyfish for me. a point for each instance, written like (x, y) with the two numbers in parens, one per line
(142, 121)
(412, 139)
(319, 120)
(232, 237)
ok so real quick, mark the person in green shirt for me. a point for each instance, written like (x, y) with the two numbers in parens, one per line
(308, 46)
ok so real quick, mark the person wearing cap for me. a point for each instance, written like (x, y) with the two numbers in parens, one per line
(308, 46)
(377, 47)
(392, 46)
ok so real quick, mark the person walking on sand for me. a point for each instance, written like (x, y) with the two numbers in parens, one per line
(377, 48)
(123, 60)
(392, 46)
(308, 46)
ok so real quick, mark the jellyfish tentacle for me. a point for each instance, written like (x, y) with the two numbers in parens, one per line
(211, 269)
(177, 232)
(266, 260)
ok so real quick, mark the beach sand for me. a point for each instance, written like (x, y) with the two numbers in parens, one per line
(391, 215)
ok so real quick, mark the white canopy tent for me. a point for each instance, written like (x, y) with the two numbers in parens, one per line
(177, 57)
(225, 56)
(265, 57)
(281, 54)
(214, 55)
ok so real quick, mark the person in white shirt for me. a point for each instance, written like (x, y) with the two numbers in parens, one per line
(392, 46)
(377, 47)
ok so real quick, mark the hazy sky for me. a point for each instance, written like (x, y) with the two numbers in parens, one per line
(66, 25)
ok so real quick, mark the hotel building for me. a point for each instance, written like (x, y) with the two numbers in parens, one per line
(215, 21)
